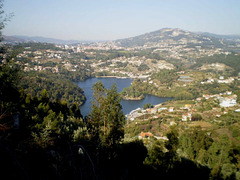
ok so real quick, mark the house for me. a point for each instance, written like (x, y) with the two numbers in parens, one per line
(206, 96)
(227, 81)
(171, 109)
(149, 110)
(228, 92)
(210, 80)
(199, 99)
(227, 102)
(162, 138)
(153, 110)
(38, 68)
(187, 117)
(161, 109)
(145, 135)
(187, 106)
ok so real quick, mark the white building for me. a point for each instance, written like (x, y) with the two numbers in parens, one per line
(227, 102)
(171, 109)
(186, 117)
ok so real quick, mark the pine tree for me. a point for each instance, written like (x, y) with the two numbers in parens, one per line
(106, 118)
(113, 118)
(94, 120)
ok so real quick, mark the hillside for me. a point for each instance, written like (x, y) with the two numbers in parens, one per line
(177, 37)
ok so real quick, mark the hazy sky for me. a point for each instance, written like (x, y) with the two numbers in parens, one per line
(114, 19)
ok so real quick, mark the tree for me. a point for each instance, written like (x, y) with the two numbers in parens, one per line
(9, 94)
(106, 118)
(163, 156)
(95, 116)
(238, 96)
(194, 144)
(114, 120)
(220, 154)
(44, 97)
(157, 156)
(172, 146)
(76, 111)
(143, 67)
(148, 105)
(3, 18)
(9, 75)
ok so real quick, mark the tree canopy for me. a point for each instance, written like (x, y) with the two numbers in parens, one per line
(106, 117)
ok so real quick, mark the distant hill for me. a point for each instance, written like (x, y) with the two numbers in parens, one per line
(226, 37)
(157, 38)
(23, 39)
(12, 39)
(176, 36)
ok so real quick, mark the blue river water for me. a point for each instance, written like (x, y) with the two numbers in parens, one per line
(127, 105)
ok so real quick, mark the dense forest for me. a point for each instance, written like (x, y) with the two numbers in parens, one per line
(57, 86)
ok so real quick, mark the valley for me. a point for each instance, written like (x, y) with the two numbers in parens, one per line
(173, 88)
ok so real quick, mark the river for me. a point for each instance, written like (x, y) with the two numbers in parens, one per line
(127, 105)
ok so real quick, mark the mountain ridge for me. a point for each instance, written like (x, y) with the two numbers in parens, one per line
(23, 39)
(175, 34)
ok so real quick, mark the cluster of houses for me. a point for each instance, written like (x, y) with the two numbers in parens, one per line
(41, 54)
(38, 59)
(41, 68)
(132, 62)
(178, 49)
(220, 80)
(158, 108)
(225, 100)
(227, 81)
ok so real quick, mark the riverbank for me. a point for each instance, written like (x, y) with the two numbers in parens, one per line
(135, 113)
(140, 111)
(125, 77)
(118, 77)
